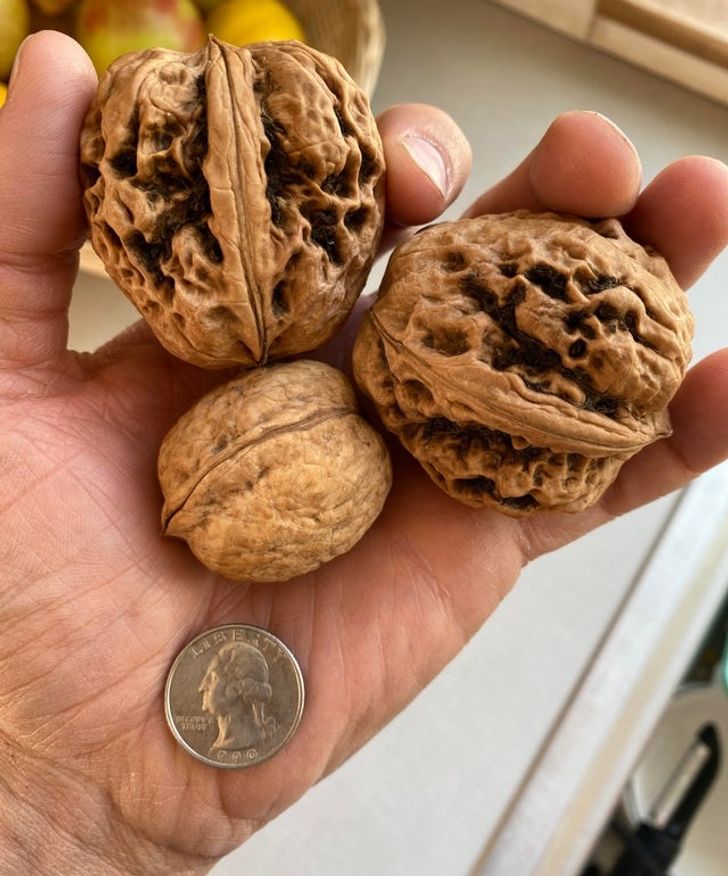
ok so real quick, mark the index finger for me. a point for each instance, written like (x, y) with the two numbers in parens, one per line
(585, 165)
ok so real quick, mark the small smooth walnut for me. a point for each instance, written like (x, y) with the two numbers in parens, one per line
(235, 195)
(523, 358)
(274, 473)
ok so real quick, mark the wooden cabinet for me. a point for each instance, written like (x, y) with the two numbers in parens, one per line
(685, 41)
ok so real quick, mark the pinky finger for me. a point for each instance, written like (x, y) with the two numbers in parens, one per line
(699, 415)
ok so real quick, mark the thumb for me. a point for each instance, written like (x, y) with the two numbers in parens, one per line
(52, 83)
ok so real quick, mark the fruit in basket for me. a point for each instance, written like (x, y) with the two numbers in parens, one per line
(236, 196)
(53, 7)
(15, 25)
(109, 29)
(241, 22)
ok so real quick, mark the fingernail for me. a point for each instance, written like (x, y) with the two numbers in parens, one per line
(618, 130)
(427, 156)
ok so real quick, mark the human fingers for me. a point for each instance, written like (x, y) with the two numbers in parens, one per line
(586, 166)
(428, 161)
(699, 441)
(583, 165)
(683, 214)
(40, 198)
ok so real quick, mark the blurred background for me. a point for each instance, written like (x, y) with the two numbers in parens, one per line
(545, 748)
(348, 29)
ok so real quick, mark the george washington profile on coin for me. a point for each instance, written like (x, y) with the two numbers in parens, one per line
(235, 690)
(234, 696)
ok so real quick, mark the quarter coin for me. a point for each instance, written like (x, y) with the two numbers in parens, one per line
(234, 696)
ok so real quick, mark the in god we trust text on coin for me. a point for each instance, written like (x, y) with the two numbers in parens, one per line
(234, 696)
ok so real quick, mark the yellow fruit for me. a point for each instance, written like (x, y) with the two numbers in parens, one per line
(13, 30)
(253, 21)
(3, 92)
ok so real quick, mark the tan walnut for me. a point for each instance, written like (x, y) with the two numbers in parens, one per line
(274, 473)
(235, 195)
(522, 358)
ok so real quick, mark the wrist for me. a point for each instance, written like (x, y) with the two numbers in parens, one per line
(56, 822)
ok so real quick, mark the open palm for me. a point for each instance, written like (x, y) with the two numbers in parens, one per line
(95, 604)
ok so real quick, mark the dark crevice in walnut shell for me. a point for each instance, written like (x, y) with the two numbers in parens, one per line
(532, 337)
(529, 356)
(494, 464)
(244, 178)
(277, 172)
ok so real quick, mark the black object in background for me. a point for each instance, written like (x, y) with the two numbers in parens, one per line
(656, 843)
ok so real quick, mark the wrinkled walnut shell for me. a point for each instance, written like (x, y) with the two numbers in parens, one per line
(274, 473)
(523, 358)
(235, 195)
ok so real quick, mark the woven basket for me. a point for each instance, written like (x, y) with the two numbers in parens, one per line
(350, 30)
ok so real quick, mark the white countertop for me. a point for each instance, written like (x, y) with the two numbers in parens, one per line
(427, 794)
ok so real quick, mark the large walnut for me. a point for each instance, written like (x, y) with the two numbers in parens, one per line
(274, 473)
(235, 195)
(523, 358)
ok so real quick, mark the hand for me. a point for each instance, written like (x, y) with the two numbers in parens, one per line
(95, 604)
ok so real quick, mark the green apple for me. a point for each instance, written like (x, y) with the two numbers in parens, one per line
(15, 24)
(109, 29)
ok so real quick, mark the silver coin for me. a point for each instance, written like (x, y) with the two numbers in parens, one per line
(234, 696)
